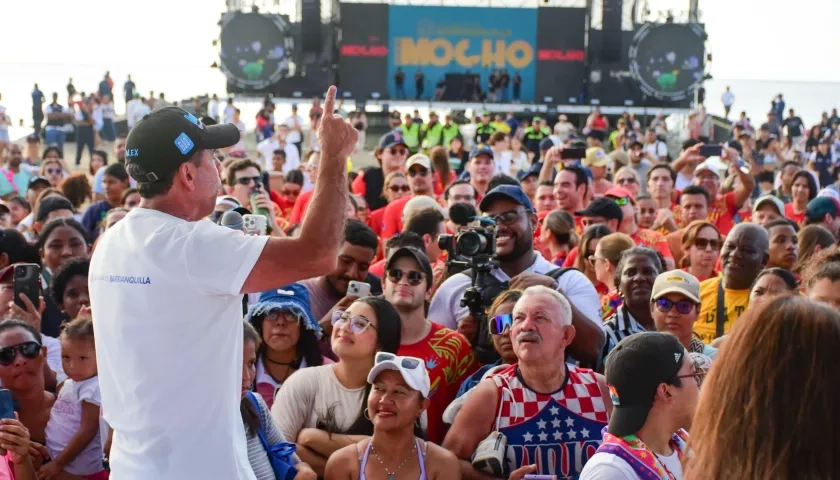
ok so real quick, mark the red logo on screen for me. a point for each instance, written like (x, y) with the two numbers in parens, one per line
(552, 55)
(364, 51)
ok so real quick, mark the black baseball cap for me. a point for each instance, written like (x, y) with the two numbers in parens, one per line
(418, 256)
(164, 139)
(52, 204)
(511, 192)
(36, 180)
(602, 207)
(635, 368)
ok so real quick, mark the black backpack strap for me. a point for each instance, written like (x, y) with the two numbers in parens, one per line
(558, 272)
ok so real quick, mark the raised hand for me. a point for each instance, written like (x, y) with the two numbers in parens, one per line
(336, 136)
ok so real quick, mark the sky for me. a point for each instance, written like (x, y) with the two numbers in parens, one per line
(167, 44)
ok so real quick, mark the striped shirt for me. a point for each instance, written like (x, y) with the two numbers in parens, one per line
(621, 324)
(257, 456)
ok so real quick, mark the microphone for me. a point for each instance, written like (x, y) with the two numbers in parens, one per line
(462, 213)
(232, 220)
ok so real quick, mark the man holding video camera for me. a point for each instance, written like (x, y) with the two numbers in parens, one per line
(521, 266)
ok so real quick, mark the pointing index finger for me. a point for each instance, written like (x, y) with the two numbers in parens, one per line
(329, 102)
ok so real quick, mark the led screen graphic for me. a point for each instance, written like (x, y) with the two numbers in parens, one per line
(254, 49)
(441, 40)
(668, 59)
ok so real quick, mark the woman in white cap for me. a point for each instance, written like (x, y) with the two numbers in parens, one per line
(396, 406)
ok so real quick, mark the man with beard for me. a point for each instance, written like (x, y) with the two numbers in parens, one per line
(546, 433)
(522, 267)
(724, 299)
(355, 254)
(408, 284)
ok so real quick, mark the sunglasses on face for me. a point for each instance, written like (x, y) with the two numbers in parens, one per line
(626, 181)
(698, 376)
(29, 350)
(500, 323)
(506, 218)
(414, 278)
(247, 180)
(53, 171)
(420, 171)
(398, 151)
(399, 188)
(358, 324)
(409, 363)
(684, 307)
(707, 243)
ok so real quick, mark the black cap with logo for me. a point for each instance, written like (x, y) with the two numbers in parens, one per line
(164, 139)
(635, 369)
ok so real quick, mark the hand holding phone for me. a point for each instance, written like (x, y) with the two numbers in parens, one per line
(7, 404)
(711, 150)
(358, 289)
(27, 281)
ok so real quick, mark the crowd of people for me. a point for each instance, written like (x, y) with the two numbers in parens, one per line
(643, 314)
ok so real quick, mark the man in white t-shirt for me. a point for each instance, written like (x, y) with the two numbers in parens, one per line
(655, 148)
(280, 141)
(166, 294)
(295, 124)
(654, 386)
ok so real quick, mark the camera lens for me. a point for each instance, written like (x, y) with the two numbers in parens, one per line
(445, 242)
(470, 244)
(20, 271)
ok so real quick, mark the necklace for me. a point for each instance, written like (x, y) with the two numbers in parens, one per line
(392, 475)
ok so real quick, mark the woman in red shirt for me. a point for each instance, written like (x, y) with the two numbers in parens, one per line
(395, 188)
(701, 243)
(804, 189)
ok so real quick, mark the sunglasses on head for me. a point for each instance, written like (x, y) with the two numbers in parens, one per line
(398, 151)
(500, 323)
(399, 188)
(684, 307)
(420, 171)
(622, 201)
(248, 180)
(29, 350)
(706, 243)
(409, 363)
(358, 324)
(413, 277)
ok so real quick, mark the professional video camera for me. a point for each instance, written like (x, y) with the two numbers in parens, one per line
(472, 251)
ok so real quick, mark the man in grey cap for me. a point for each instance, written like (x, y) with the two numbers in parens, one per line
(166, 290)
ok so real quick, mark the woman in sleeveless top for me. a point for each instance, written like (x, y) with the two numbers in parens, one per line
(397, 401)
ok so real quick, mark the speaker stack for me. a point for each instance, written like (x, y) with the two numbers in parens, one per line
(611, 41)
(310, 24)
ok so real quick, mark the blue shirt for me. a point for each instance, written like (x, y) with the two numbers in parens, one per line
(21, 182)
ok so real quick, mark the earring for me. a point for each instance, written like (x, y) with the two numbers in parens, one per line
(366, 414)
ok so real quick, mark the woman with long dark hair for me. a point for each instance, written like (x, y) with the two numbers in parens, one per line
(804, 189)
(322, 408)
(289, 336)
(591, 236)
(745, 427)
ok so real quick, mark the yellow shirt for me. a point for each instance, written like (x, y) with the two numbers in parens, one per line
(735, 302)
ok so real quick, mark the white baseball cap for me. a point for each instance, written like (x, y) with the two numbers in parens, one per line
(412, 369)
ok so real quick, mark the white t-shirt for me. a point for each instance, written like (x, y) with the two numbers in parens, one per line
(229, 111)
(446, 308)
(266, 149)
(65, 420)
(294, 135)
(213, 109)
(168, 326)
(606, 466)
(728, 98)
(656, 150)
(240, 145)
(137, 113)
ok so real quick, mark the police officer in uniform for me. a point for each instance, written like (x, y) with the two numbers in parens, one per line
(411, 133)
(484, 129)
(450, 130)
(534, 135)
(432, 132)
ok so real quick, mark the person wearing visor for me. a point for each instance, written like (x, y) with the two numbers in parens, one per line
(397, 407)
(654, 385)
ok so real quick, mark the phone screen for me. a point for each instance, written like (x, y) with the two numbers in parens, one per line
(711, 150)
(573, 153)
(7, 404)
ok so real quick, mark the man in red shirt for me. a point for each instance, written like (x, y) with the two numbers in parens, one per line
(446, 353)
(570, 186)
(421, 181)
(694, 205)
(723, 208)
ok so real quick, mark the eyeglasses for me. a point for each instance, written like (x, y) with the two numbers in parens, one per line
(53, 171)
(622, 201)
(414, 277)
(399, 188)
(626, 181)
(282, 317)
(358, 324)
(707, 243)
(506, 218)
(420, 171)
(398, 151)
(247, 180)
(592, 259)
(698, 376)
(500, 323)
(29, 350)
(683, 306)
(409, 363)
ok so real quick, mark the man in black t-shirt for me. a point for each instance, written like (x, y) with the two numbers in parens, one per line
(794, 126)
